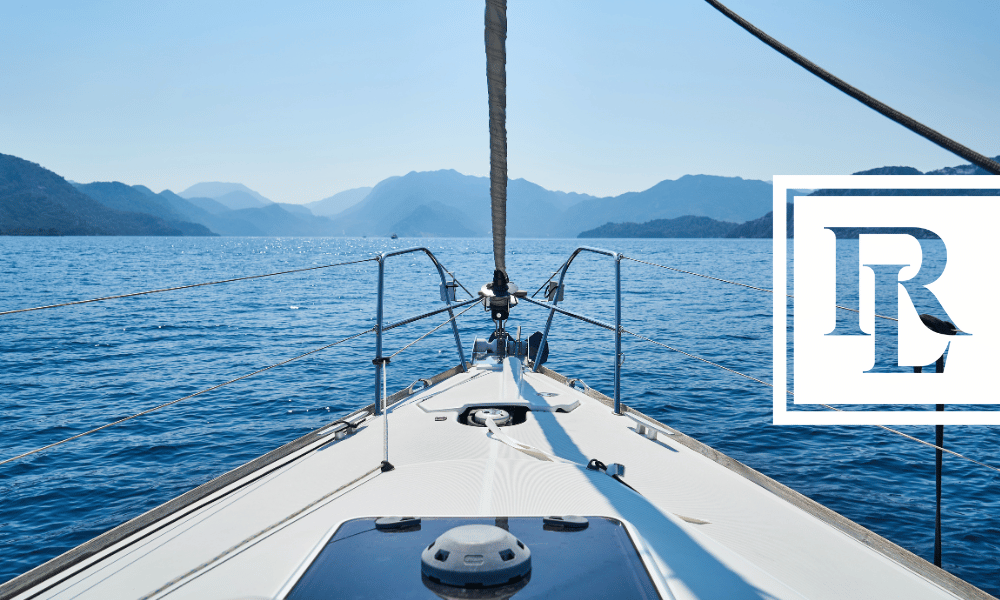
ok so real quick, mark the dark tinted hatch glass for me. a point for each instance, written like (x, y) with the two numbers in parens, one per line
(360, 561)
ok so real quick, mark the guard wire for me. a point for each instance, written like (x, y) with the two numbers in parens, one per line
(554, 273)
(184, 287)
(570, 314)
(215, 387)
(744, 375)
(913, 125)
(429, 314)
(738, 283)
(393, 355)
(263, 533)
(827, 406)
(198, 393)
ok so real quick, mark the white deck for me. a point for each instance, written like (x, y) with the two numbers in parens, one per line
(710, 532)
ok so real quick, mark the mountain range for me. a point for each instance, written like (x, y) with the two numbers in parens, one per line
(445, 203)
(442, 203)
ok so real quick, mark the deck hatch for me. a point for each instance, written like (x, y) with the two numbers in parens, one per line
(599, 561)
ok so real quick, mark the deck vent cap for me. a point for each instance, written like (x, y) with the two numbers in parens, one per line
(474, 556)
(499, 416)
(566, 522)
(397, 523)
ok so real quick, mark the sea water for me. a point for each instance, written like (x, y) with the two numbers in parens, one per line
(67, 370)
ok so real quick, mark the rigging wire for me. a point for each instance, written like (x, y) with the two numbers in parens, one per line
(750, 377)
(913, 125)
(738, 283)
(455, 279)
(554, 273)
(184, 287)
(242, 377)
(393, 355)
(198, 393)
(790, 393)
(429, 314)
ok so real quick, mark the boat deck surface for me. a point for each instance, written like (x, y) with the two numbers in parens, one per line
(708, 531)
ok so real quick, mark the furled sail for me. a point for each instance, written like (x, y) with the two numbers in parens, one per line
(496, 76)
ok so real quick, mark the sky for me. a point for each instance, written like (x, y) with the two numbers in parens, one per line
(299, 100)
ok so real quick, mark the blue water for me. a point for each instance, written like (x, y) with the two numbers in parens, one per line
(69, 369)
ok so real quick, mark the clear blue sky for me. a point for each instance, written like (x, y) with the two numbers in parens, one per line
(299, 100)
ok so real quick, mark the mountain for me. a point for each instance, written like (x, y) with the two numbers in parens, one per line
(966, 169)
(763, 227)
(125, 198)
(433, 220)
(339, 202)
(959, 170)
(680, 227)
(36, 201)
(234, 195)
(297, 209)
(721, 198)
(207, 204)
(273, 220)
(220, 221)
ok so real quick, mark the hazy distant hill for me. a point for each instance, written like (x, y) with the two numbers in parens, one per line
(119, 196)
(208, 204)
(680, 227)
(36, 201)
(233, 195)
(722, 198)
(296, 209)
(430, 220)
(239, 199)
(762, 227)
(339, 202)
(221, 221)
(275, 220)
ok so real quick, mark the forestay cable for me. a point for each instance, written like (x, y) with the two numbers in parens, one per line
(184, 287)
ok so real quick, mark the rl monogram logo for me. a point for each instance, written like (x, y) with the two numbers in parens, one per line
(883, 286)
(887, 284)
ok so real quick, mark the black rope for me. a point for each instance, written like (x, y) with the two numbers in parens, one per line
(913, 125)
(184, 287)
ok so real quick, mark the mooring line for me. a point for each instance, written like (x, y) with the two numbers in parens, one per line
(183, 287)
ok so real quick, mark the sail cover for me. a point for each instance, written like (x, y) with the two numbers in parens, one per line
(496, 76)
